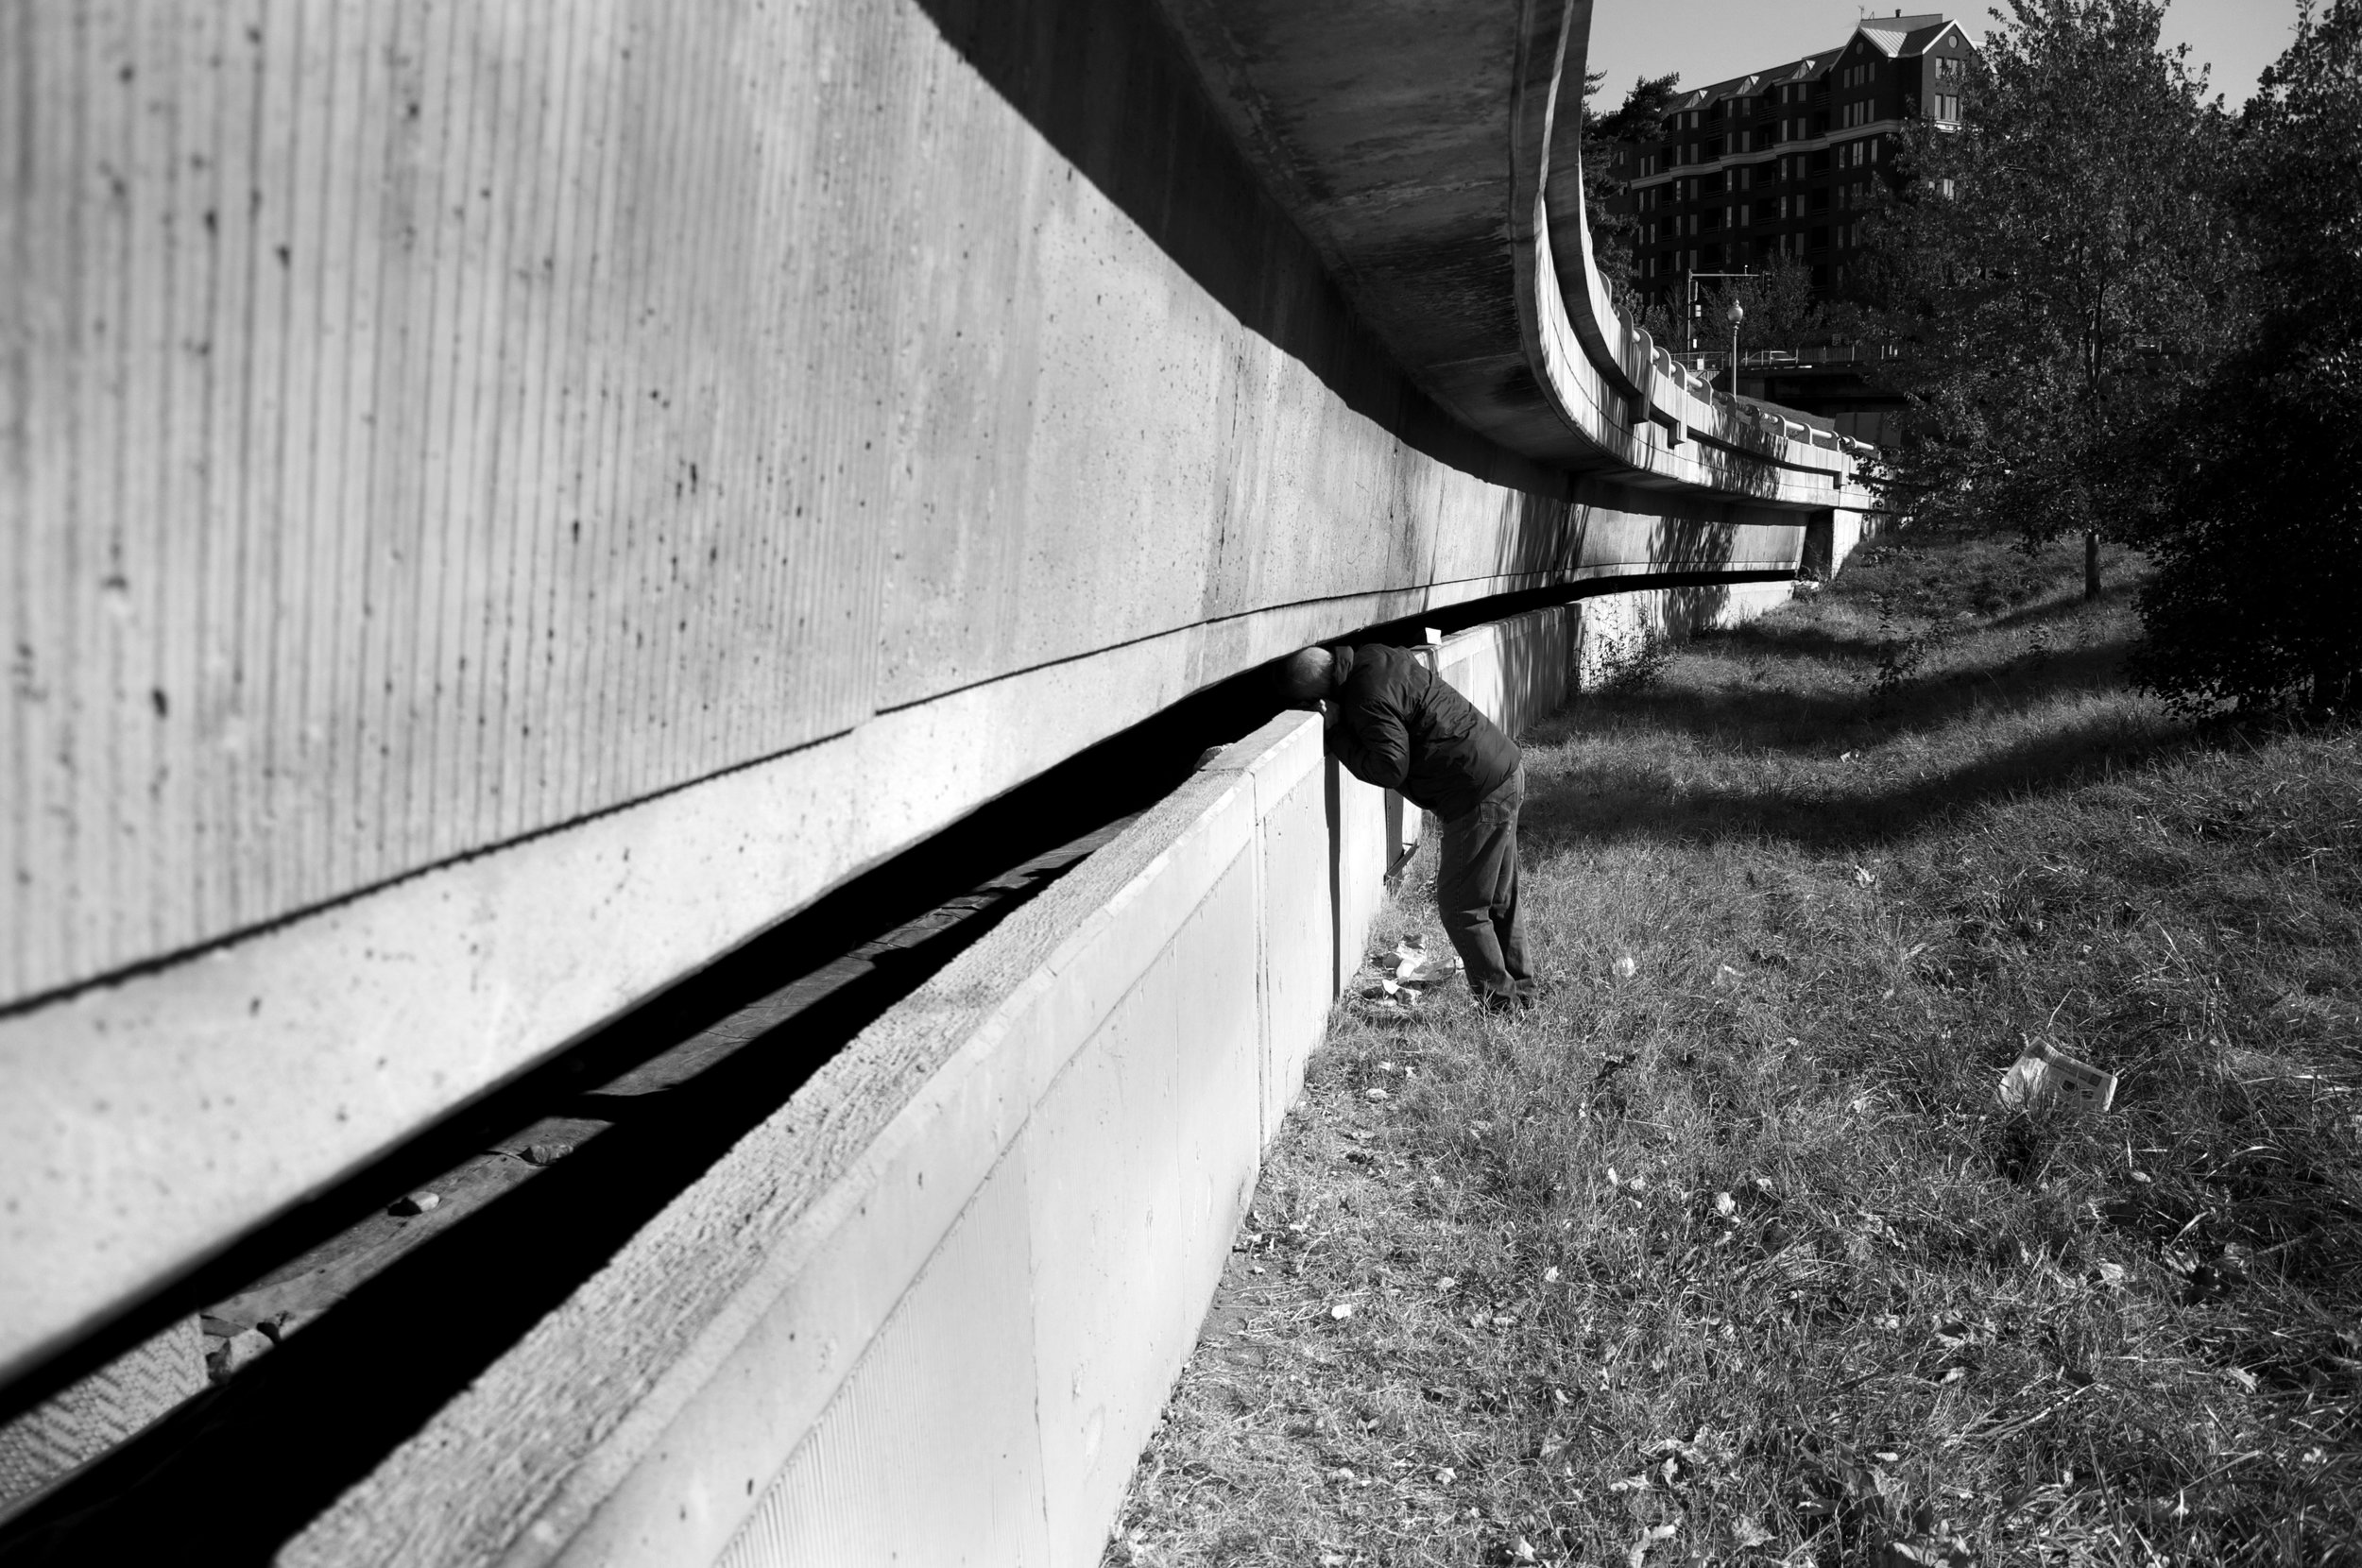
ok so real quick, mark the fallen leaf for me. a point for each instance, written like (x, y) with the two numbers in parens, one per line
(1750, 1532)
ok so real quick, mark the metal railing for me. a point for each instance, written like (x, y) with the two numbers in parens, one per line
(1718, 361)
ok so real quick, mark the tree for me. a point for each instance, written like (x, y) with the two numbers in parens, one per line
(1782, 309)
(2055, 267)
(2252, 519)
(1614, 233)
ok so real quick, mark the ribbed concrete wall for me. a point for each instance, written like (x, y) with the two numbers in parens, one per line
(428, 426)
(502, 502)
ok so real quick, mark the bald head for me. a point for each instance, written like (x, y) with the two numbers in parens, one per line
(1310, 673)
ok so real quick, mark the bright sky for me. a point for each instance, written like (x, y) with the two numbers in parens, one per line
(1708, 39)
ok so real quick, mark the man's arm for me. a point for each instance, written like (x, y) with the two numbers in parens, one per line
(1371, 743)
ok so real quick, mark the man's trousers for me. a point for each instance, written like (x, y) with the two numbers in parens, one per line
(1475, 892)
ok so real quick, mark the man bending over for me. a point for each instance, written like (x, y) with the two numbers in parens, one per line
(1395, 723)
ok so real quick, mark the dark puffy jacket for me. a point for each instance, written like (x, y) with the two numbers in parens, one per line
(1403, 727)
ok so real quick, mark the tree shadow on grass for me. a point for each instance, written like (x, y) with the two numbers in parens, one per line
(2066, 605)
(1846, 713)
(1593, 805)
(1799, 642)
(2041, 738)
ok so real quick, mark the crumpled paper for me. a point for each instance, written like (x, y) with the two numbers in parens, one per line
(2045, 1075)
(1399, 980)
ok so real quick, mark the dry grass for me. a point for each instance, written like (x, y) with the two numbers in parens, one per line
(1738, 1258)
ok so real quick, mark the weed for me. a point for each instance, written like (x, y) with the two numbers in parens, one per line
(1633, 663)
(1900, 655)
(1728, 1252)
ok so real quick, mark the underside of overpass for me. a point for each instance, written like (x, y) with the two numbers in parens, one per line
(534, 529)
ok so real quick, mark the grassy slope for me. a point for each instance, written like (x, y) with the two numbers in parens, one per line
(1738, 1258)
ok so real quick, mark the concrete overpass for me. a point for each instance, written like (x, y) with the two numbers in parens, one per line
(510, 504)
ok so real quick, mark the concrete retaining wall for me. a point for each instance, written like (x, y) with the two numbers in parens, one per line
(1525, 667)
(507, 501)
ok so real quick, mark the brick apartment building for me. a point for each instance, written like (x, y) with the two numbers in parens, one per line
(1780, 162)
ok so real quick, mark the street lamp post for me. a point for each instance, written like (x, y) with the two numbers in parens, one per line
(1697, 311)
(1738, 314)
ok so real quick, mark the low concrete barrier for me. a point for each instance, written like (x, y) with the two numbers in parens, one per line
(937, 1300)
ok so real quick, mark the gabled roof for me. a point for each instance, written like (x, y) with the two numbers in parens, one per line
(1902, 36)
(1898, 36)
(1757, 81)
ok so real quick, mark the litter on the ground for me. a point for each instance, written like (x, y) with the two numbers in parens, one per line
(1399, 980)
(2046, 1074)
(1414, 966)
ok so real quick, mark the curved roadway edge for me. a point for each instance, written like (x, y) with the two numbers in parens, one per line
(1410, 143)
